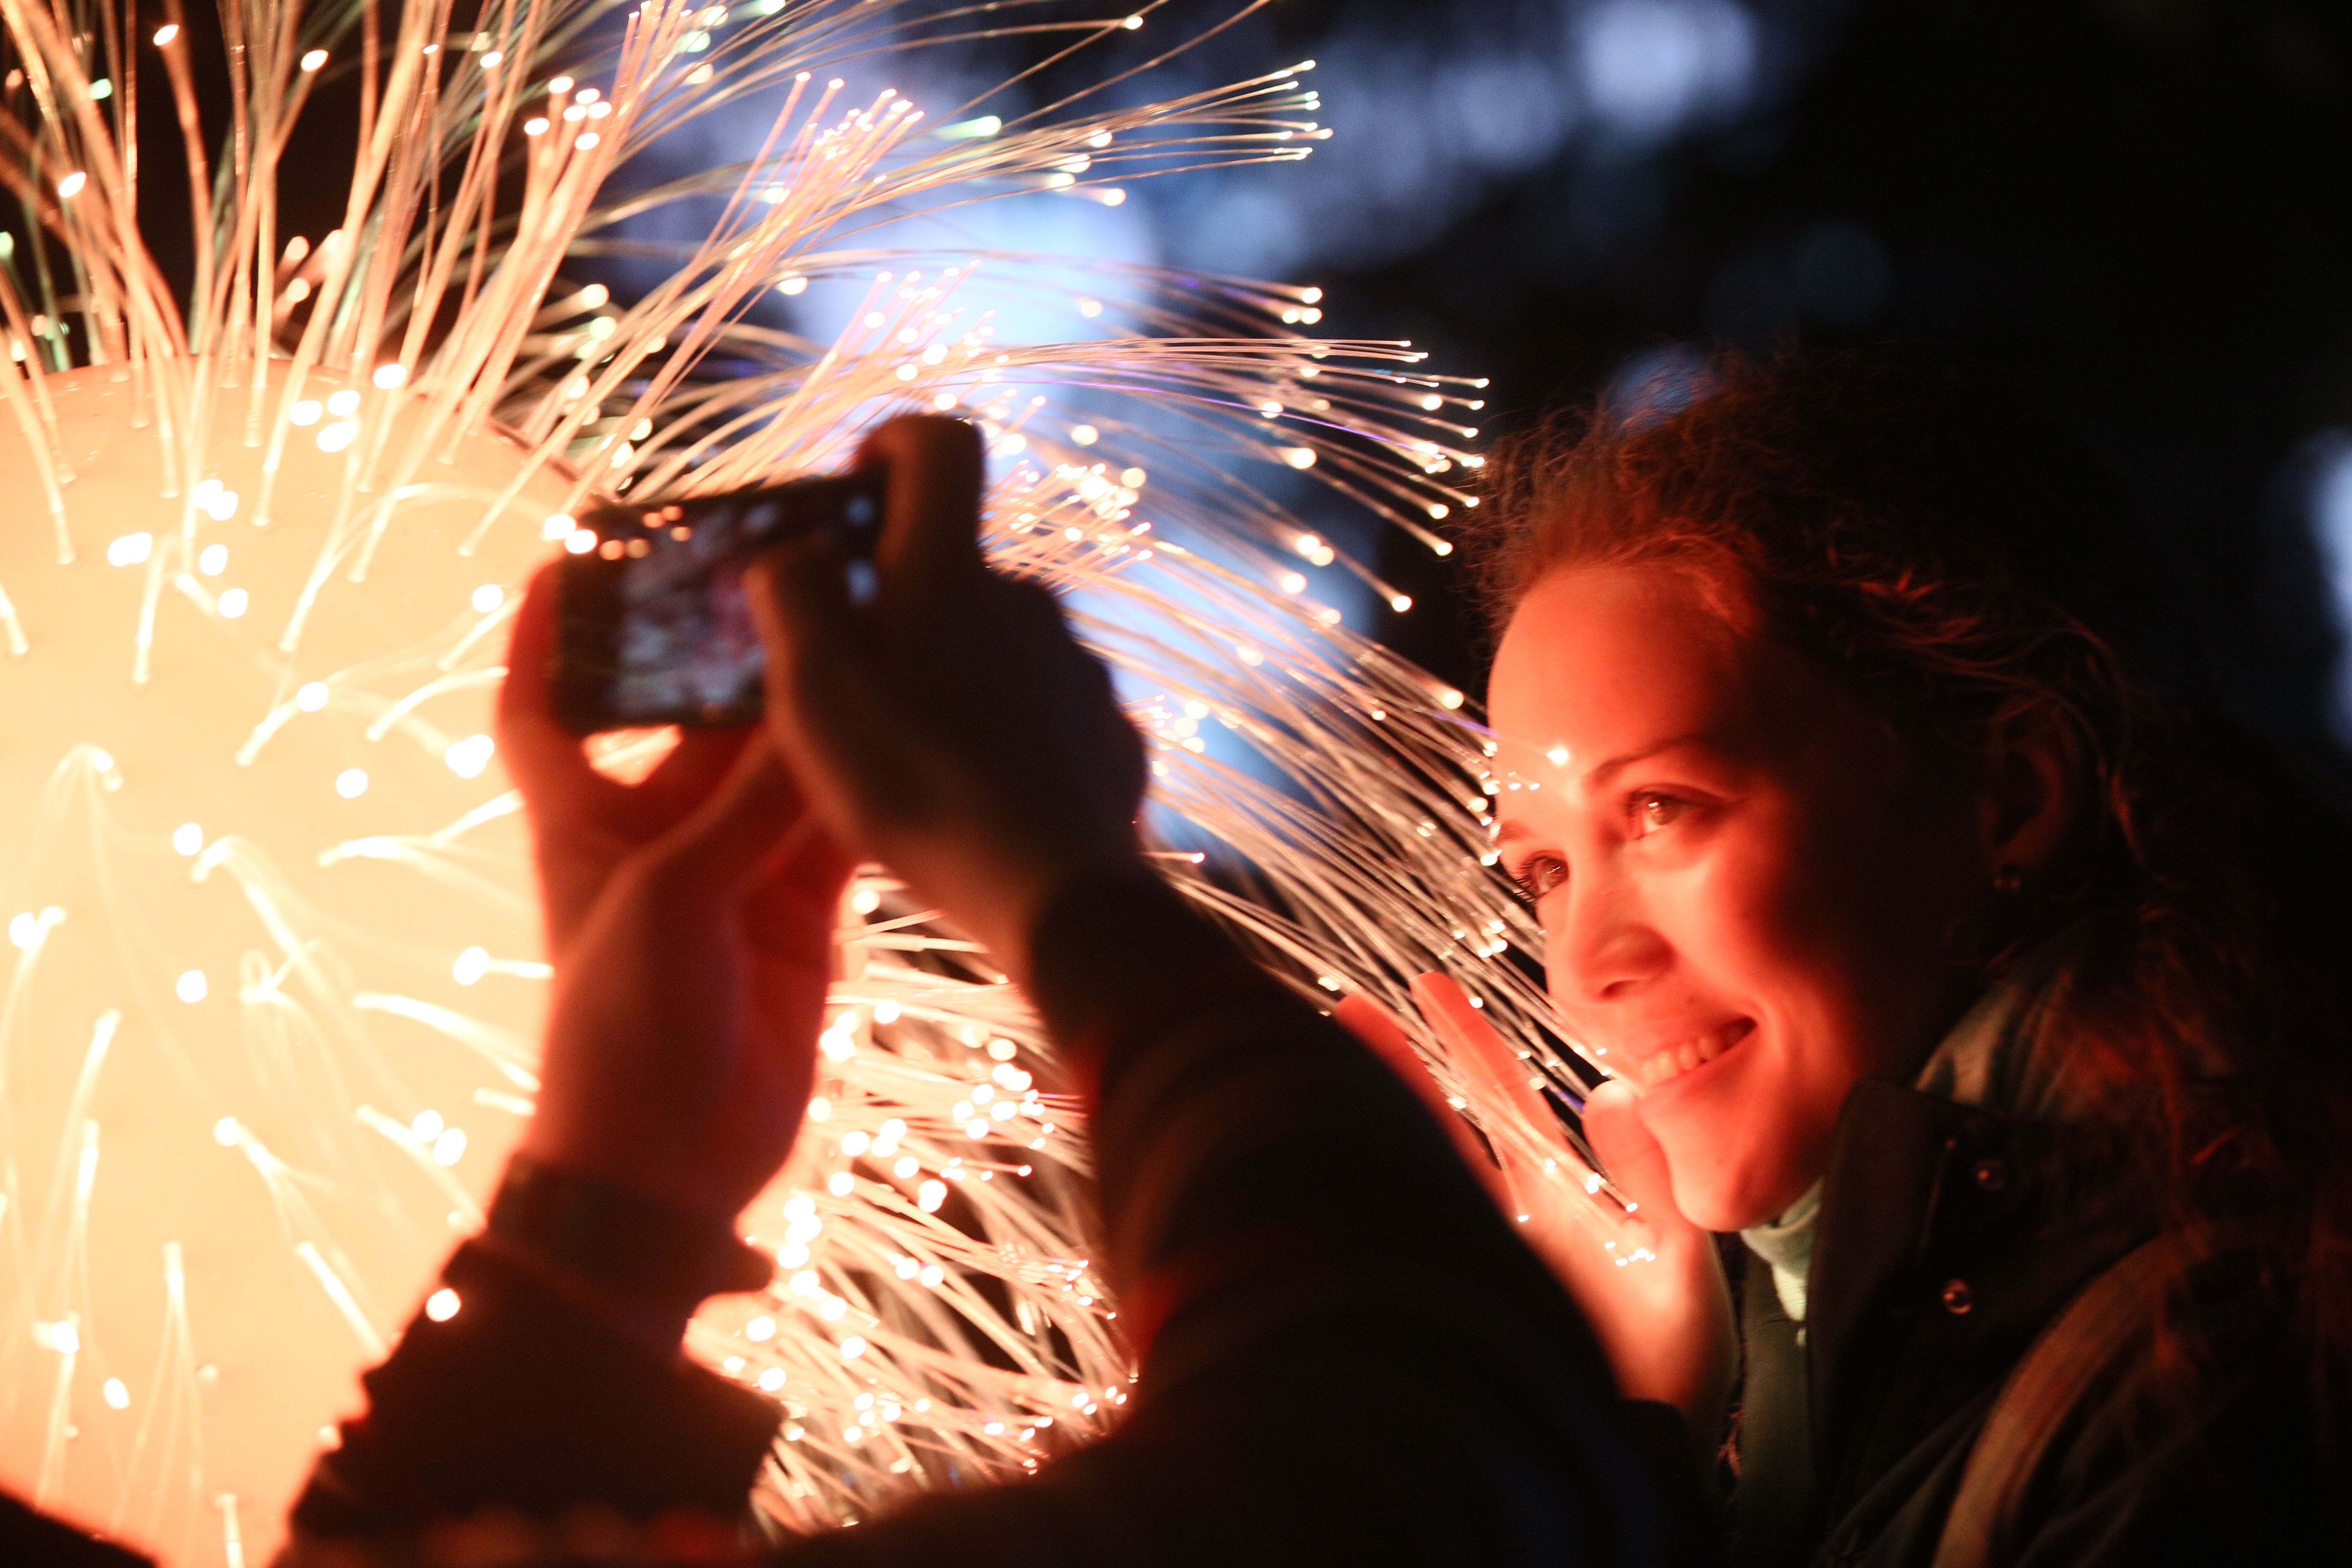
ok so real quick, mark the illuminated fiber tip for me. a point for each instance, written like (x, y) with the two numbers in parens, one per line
(442, 1305)
(166, 33)
(116, 1394)
(467, 758)
(70, 186)
(191, 986)
(350, 630)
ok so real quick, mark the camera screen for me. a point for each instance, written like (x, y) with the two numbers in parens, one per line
(678, 642)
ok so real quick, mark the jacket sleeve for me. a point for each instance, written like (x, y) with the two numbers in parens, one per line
(1346, 1353)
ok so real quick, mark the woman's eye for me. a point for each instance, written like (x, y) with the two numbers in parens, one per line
(1651, 812)
(1540, 875)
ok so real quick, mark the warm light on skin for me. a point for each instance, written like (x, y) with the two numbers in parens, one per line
(1764, 873)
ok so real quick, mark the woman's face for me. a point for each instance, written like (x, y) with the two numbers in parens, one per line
(1745, 888)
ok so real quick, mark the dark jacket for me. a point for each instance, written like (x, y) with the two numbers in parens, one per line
(1949, 1238)
(1346, 1354)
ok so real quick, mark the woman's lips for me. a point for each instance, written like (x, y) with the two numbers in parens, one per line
(1670, 1062)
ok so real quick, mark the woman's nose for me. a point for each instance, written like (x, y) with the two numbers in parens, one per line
(1602, 946)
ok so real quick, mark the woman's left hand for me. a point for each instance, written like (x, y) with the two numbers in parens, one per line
(1650, 1281)
(691, 919)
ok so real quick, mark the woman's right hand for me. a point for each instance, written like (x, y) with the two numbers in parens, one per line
(1650, 1283)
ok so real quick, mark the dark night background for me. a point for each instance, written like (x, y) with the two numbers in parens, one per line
(2139, 210)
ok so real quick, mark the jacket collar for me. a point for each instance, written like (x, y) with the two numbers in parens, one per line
(1948, 1234)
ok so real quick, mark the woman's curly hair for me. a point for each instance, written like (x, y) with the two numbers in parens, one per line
(1957, 566)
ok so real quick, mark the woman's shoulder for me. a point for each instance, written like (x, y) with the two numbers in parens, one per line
(2168, 1408)
(1997, 1305)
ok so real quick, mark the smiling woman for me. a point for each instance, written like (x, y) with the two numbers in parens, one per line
(1742, 884)
(1994, 998)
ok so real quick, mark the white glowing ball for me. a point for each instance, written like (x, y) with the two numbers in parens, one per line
(235, 894)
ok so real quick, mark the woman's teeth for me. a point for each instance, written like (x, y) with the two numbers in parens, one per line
(1673, 1061)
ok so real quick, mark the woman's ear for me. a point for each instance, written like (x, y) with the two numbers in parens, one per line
(2030, 791)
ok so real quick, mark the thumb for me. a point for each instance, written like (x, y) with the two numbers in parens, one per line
(929, 547)
(798, 594)
(822, 693)
(1634, 1159)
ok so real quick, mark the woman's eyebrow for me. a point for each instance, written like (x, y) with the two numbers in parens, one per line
(1604, 771)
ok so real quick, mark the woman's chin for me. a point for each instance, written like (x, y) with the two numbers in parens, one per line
(1712, 1208)
(1720, 1183)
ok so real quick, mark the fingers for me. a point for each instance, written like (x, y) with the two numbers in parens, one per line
(930, 548)
(1379, 1029)
(1637, 1164)
(1495, 1073)
(545, 758)
(1486, 1056)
